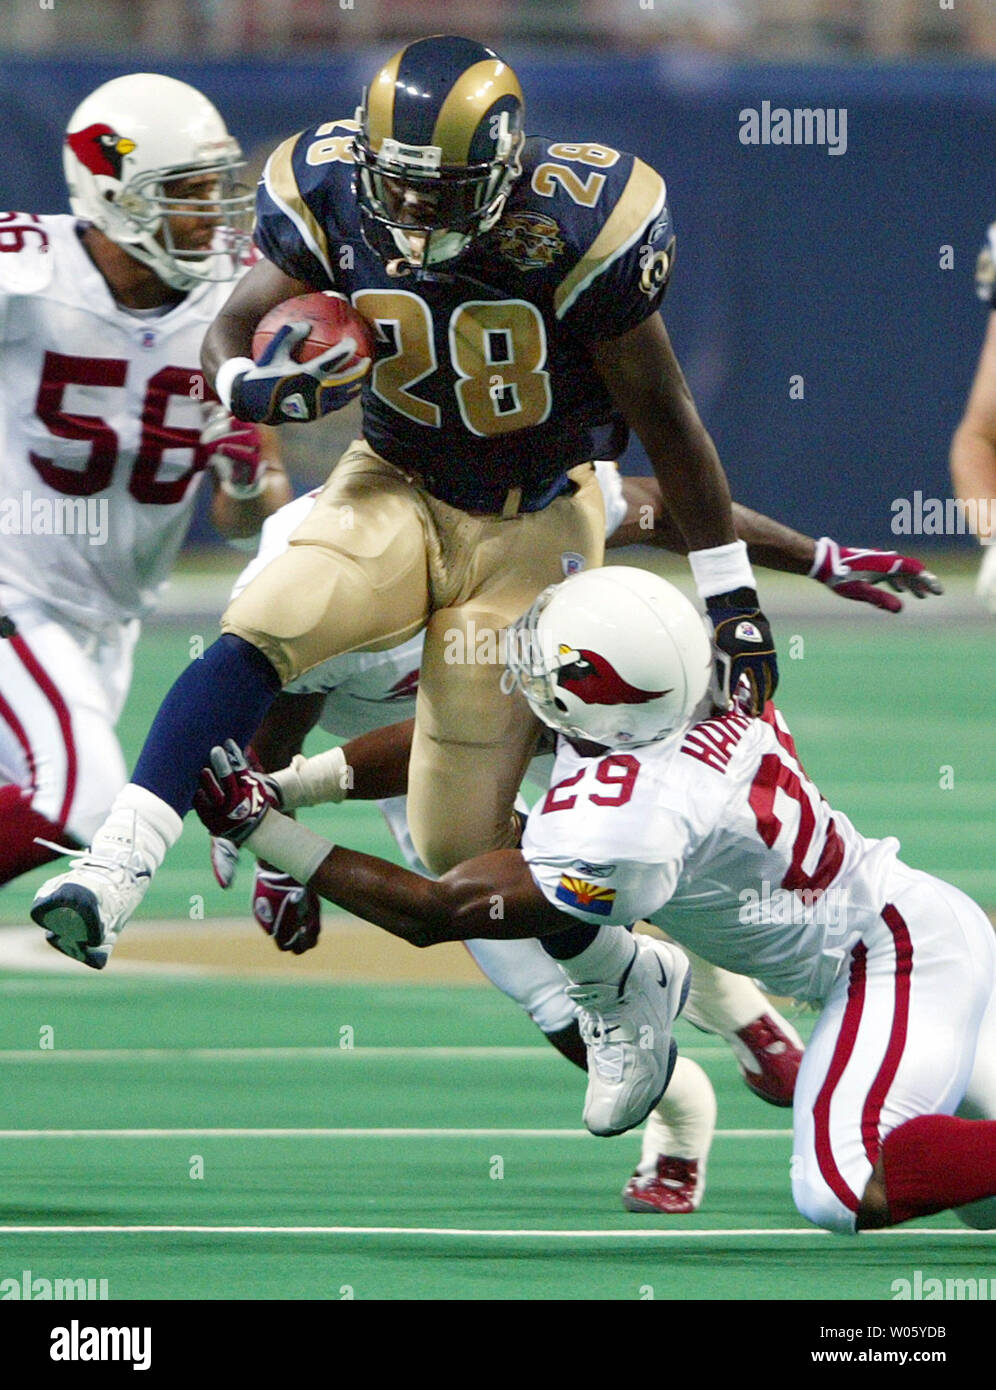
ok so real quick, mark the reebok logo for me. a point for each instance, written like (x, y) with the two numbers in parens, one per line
(294, 407)
(76, 1343)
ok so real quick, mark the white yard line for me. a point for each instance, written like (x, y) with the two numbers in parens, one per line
(283, 1054)
(643, 1233)
(346, 1133)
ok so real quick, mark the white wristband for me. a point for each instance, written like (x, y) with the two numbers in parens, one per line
(824, 548)
(225, 379)
(721, 569)
(313, 781)
(293, 848)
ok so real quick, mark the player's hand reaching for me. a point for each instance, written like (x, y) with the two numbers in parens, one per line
(744, 648)
(233, 797)
(236, 456)
(286, 910)
(278, 388)
(856, 574)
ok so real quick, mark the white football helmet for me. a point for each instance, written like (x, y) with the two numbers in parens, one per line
(613, 656)
(126, 143)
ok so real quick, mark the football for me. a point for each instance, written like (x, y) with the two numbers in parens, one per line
(330, 318)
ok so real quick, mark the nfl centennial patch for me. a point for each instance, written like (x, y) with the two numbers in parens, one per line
(589, 897)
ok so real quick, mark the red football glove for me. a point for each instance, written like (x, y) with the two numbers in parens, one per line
(286, 911)
(233, 799)
(236, 455)
(855, 573)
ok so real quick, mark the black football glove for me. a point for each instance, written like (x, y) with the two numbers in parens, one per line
(744, 647)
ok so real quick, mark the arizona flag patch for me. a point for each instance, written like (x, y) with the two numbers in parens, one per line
(589, 897)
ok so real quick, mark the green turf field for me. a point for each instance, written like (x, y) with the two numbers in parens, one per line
(423, 1163)
(251, 1155)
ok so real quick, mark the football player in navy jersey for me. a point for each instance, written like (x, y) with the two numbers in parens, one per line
(515, 285)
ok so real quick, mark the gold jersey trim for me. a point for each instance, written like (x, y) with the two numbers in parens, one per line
(281, 184)
(640, 202)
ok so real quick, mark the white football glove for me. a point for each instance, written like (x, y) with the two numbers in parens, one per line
(236, 456)
(985, 585)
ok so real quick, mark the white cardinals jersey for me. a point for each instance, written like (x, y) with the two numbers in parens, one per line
(369, 689)
(101, 410)
(717, 836)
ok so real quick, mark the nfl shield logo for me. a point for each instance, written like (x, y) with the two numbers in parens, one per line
(148, 338)
(571, 563)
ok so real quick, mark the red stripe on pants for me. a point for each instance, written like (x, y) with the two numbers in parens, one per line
(872, 1112)
(48, 689)
(841, 1056)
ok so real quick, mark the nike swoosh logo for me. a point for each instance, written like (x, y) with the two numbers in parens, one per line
(663, 979)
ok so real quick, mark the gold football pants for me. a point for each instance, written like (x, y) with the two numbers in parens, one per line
(378, 559)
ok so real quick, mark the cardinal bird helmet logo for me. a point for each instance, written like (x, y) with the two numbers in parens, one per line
(100, 149)
(593, 679)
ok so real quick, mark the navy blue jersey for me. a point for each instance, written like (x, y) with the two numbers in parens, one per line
(483, 379)
(985, 269)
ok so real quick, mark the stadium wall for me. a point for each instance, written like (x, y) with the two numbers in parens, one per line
(793, 261)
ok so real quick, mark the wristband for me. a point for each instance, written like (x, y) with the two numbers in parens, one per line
(293, 848)
(824, 551)
(225, 378)
(722, 568)
(313, 781)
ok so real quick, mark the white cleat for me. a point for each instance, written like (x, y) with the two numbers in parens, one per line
(627, 1030)
(84, 910)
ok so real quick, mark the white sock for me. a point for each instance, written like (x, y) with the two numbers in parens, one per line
(604, 961)
(139, 822)
(683, 1124)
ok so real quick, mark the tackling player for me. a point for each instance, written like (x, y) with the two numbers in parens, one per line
(108, 429)
(705, 824)
(515, 285)
(973, 448)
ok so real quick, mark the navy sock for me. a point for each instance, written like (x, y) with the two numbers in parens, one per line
(224, 694)
(562, 945)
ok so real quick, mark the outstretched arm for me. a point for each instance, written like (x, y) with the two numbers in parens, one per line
(642, 375)
(854, 574)
(493, 896)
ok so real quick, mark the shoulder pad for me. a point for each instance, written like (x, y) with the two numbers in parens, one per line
(26, 260)
(985, 268)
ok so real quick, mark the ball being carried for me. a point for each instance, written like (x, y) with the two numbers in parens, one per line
(310, 356)
(330, 319)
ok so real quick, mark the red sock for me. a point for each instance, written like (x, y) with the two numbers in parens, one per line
(937, 1161)
(19, 824)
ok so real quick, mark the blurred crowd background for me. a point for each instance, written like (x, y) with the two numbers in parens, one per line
(763, 28)
(822, 304)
